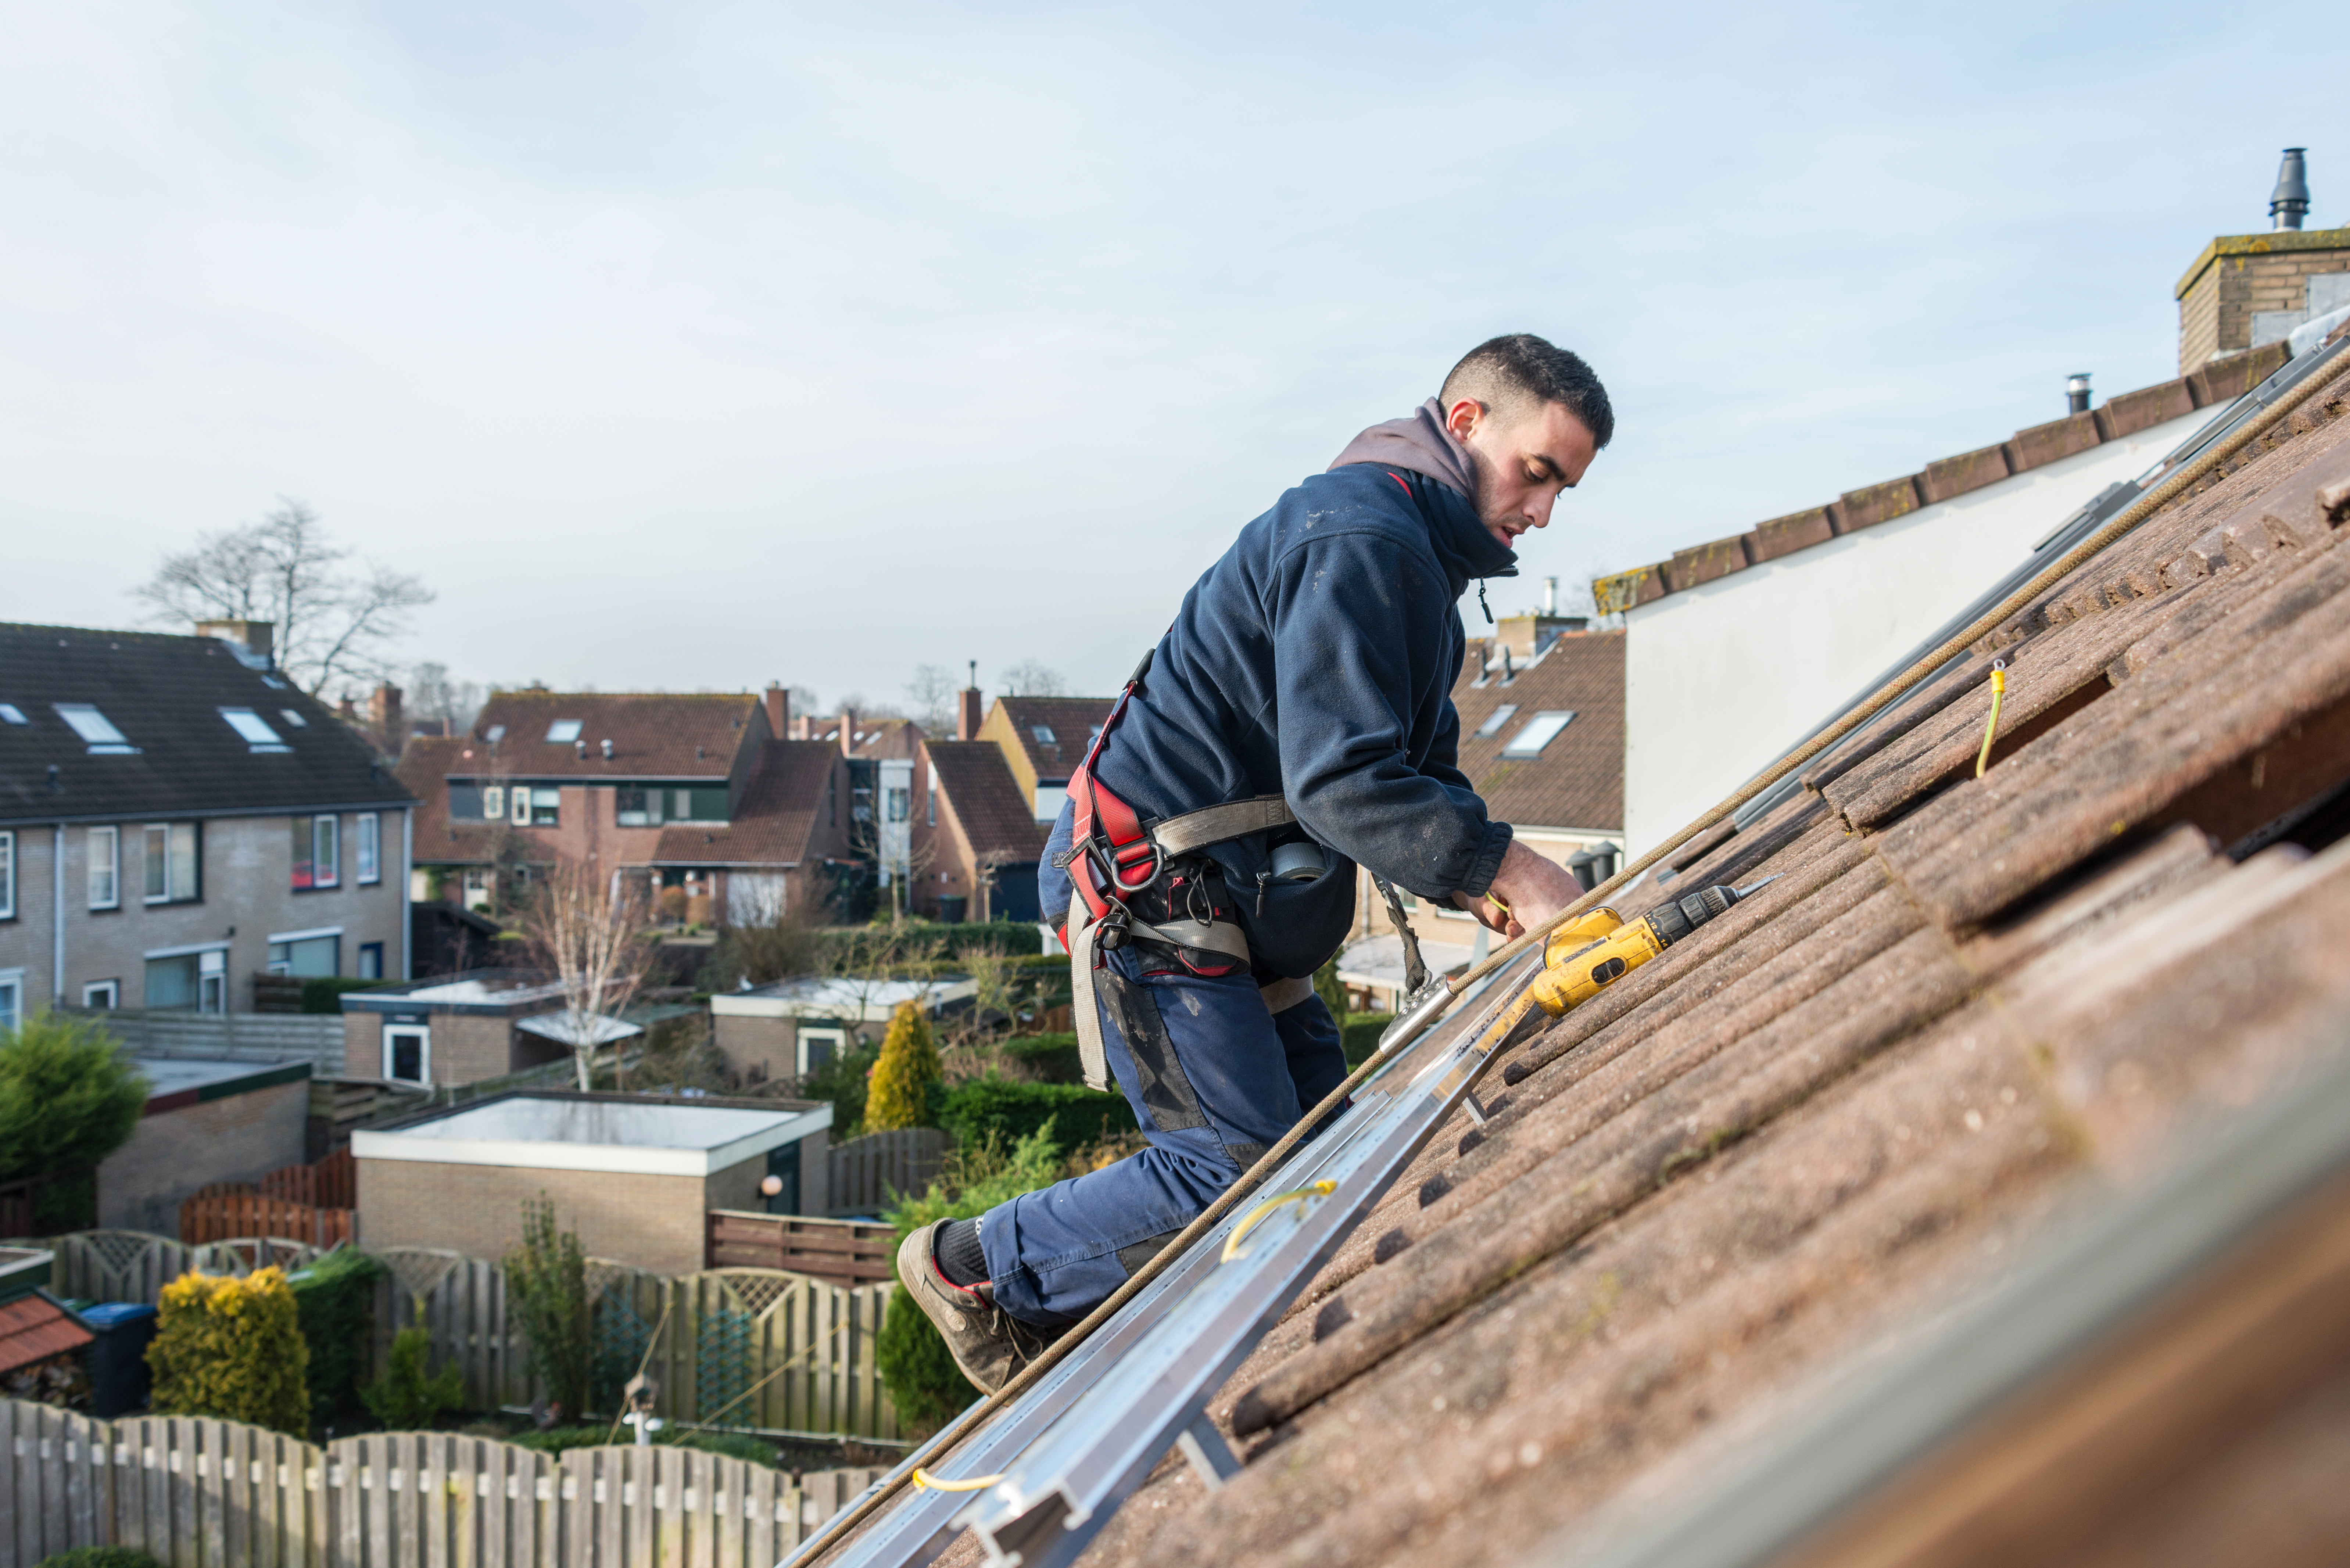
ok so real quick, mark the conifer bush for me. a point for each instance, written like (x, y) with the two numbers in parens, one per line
(909, 1065)
(69, 1098)
(546, 1291)
(233, 1349)
(409, 1394)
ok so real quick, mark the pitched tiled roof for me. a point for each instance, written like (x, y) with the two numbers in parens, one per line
(164, 695)
(1071, 722)
(425, 767)
(771, 825)
(985, 798)
(1577, 780)
(654, 735)
(1967, 1012)
(34, 1328)
(2220, 381)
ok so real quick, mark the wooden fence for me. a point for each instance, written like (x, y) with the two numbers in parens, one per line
(196, 1493)
(841, 1252)
(330, 1183)
(133, 1266)
(863, 1173)
(218, 1212)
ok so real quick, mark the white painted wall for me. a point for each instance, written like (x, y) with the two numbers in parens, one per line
(1720, 680)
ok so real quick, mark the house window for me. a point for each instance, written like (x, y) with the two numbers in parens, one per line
(407, 1053)
(1044, 733)
(493, 800)
(370, 960)
(899, 803)
(1540, 730)
(1495, 720)
(12, 715)
(477, 880)
(105, 993)
(318, 851)
(7, 876)
(173, 863)
(930, 798)
(312, 955)
(258, 735)
(1049, 797)
(545, 808)
(105, 855)
(371, 847)
(12, 1000)
(634, 805)
(820, 1047)
(95, 730)
(197, 982)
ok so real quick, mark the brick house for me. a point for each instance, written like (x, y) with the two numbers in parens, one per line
(1043, 740)
(458, 1028)
(688, 791)
(176, 816)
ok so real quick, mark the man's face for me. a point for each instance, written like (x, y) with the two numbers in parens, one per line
(1522, 464)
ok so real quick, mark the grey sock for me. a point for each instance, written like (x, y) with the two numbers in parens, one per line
(956, 1247)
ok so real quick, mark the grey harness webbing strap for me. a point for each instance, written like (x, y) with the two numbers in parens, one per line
(1283, 994)
(1093, 1056)
(1215, 936)
(1216, 824)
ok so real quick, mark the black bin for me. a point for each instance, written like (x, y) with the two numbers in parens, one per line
(118, 1377)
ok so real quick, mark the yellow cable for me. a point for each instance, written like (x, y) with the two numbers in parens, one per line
(1998, 691)
(923, 1478)
(1255, 1216)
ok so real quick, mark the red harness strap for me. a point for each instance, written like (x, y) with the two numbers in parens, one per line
(1112, 858)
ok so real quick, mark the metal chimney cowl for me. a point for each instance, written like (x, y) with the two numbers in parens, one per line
(2289, 203)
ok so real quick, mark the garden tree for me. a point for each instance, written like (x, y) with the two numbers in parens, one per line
(67, 1099)
(769, 945)
(409, 1394)
(1033, 678)
(589, 931)
(909, 1065)
(432, 695)
(546, 1291)
(233, 1349)
(932, 691)
(334, 622)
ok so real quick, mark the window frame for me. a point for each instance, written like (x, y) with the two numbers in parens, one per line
(111, 836)
(12, 986)
(1516, 748)
(326, 829)
(423, 1035)
(367, 847)
(113, 987)
(7, 874)
(494, 802)
(153, 866)
(834, 1035)
(370, 951)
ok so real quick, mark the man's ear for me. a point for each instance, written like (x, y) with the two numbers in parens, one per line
(1462, 417)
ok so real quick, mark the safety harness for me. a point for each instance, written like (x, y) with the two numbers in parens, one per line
(1114, 857)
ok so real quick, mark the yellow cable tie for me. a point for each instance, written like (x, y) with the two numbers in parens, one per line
(1998, 691)
(1256, 1215)
(925, 1479)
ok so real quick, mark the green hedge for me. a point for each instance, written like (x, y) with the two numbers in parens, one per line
(99, 1557)
(1361, 1034)
(336, 1300)
(1079, 1116)
(1053, 1056)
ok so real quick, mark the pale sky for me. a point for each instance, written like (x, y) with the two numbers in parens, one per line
(689, 346)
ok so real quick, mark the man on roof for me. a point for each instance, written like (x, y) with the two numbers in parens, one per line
(1294, 722)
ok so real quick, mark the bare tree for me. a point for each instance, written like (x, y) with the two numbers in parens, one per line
(432, 695)
(932, 689)
(589, 930)
(1033, 678)
(334, 621)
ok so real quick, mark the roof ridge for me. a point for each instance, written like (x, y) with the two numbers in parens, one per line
(2219, 381)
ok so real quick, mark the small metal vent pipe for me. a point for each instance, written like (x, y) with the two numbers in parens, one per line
(2289, 203)
(2076, 393)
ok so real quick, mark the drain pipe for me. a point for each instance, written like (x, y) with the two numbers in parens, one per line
(57, 914)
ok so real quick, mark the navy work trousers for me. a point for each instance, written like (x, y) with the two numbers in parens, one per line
(1214, 1080)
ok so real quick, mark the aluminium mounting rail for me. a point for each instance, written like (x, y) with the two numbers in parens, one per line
(1073, 1448)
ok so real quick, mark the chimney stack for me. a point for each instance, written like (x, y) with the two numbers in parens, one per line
(848, 732)
(2076, 393)
(779, 710)
(384, 717)
(967, 713)
(255, 636)
(1550, 596)
(2289, 203)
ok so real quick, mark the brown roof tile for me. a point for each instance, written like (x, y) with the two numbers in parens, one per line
(1579, 780)
(771, 825)
(33, 1328)
(985, 799)
(658, 734)
(1071, 720)
(1966, 1010)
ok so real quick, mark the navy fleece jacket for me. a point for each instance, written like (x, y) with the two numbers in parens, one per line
(1316, 661)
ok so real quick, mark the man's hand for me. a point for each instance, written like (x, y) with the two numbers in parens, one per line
(1526, 891)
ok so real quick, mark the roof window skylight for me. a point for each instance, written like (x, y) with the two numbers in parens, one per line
(1044, 733)
(95, 728)
(12, 715)
(293, 718)
(495, 734)
(1495, 720)
(562, 730)
(1540, 730)
(254, 729)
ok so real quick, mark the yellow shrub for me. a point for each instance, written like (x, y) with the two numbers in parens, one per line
(232, 1349)
(901, 1080)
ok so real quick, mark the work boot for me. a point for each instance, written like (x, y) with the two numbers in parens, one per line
(989, 1344)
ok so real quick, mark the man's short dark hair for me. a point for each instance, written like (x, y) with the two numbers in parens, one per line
(1508, 373)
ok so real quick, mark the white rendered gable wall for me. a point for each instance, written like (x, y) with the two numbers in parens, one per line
(1722, 680)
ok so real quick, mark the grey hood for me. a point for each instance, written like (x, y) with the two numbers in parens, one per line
(1418, 441)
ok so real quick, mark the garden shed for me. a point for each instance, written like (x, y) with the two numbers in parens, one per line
(460, 1029)
(635, 1175)
(790, 1028)
(206, 1120)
